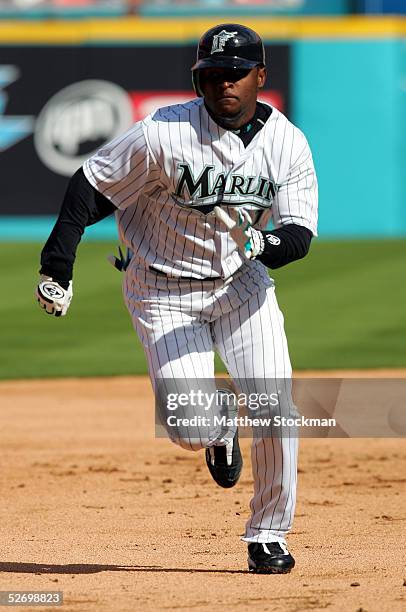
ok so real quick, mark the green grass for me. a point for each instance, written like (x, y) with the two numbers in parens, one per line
(344, 307)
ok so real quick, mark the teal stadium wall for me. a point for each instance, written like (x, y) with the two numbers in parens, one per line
(350, 98)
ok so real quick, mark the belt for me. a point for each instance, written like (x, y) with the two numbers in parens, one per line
(180, 278)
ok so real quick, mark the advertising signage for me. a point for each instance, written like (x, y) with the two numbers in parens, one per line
(60, 104)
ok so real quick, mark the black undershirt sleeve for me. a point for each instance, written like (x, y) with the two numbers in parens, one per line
(294, 243)
(82, 206)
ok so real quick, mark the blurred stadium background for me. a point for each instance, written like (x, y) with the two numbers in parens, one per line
(74, 73)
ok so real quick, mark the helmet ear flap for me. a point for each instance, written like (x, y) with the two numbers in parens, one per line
(196, 83)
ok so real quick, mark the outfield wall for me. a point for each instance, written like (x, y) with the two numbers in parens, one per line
(343, 81)
(351, 103)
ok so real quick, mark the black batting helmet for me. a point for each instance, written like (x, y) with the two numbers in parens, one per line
(228, 45)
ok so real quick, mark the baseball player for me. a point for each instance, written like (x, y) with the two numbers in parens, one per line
(194, 187)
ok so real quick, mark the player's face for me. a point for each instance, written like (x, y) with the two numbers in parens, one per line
(231, 93)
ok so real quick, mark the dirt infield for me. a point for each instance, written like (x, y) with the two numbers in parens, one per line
(94, 506)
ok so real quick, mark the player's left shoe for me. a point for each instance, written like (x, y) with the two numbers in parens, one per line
(270, 558)
(225, 463)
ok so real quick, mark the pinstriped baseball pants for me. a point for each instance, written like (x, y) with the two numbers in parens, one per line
(182, 323)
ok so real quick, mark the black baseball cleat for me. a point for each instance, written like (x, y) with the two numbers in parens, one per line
(225, 463)
(271, 558)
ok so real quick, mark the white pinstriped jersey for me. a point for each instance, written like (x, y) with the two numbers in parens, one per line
(170, 169)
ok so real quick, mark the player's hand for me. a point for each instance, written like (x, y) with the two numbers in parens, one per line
(52, 297)
(249, 240)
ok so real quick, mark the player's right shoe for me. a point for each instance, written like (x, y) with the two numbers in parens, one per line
(270, 558)
(225, 463)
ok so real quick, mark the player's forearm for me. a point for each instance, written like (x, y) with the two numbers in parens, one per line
(284, 245)
(59, 252)
(82, 206)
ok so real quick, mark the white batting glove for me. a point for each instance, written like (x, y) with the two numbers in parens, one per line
(249, 240)
(52, 297)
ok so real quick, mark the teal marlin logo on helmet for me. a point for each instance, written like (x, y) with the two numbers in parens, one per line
(220, 39)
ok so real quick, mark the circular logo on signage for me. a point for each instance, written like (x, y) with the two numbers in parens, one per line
(77, 121)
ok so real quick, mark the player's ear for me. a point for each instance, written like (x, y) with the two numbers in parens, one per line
(261, 76)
